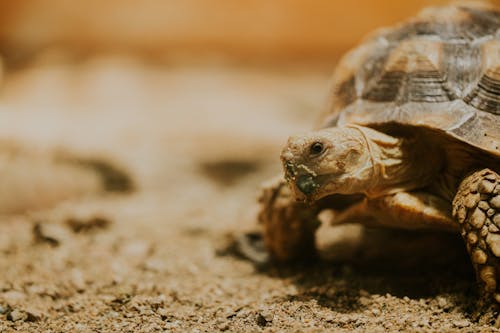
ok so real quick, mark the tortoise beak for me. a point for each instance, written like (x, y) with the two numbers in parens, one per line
(306, 184)
(303, 183)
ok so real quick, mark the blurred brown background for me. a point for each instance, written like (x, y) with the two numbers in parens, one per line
(253, 31)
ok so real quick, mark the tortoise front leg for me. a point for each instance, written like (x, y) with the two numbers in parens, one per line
(289, 226)
(476, 207)
(403, 210)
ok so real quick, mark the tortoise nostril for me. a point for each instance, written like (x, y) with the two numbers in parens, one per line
(287, 155)
(289, 169)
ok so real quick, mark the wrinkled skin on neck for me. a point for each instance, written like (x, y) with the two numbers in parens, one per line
(344, 160)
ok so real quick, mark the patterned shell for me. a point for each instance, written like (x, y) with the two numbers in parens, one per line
(440, 69)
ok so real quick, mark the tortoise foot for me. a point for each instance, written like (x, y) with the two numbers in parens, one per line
(477, 208)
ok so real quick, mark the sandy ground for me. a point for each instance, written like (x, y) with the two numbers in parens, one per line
(198, 141)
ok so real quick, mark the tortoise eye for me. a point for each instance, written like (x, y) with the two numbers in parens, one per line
(316, 148)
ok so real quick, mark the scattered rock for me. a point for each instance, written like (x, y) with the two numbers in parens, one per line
(87, 225)
(32, 316)
(330, 318)
(343, 320)
(20, 315)
(443, 303)
(264, 317)
(81, 328)
(49, 233)
(424, 322)
(261, 321)
(165, 315)
(268, 316)
(156, 302)
(16, 315)
(461, 323)
(113, 177)
(223, 327)
(74, 307)
(121, 299)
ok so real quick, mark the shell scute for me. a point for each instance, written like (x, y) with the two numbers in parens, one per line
(440, 70)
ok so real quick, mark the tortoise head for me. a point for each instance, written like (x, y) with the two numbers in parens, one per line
(324, 162)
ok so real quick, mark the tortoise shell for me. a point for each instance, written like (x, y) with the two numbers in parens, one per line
(439, 70)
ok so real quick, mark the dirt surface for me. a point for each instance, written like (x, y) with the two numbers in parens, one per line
(197, 142)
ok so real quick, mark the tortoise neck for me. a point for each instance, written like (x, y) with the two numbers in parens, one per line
(399, 164)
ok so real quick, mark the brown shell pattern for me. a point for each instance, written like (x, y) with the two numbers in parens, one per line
(440, 69)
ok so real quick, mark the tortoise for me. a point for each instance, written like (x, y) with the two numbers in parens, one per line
(409, 139)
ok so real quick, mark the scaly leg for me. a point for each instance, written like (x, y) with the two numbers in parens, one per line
(289, 226)
(476, 206)
(403, 210)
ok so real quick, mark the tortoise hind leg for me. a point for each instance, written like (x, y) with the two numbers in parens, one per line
(476, 207)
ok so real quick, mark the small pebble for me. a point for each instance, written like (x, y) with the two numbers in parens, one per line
(89, 224)
(330, 318)
(461, 323)
(442, 303)
(261, 320)
(342, 320)
(268, 316)
(49, 233)
(425, 322)
(16, 315)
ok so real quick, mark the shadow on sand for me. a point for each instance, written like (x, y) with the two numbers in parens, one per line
(411, 264)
